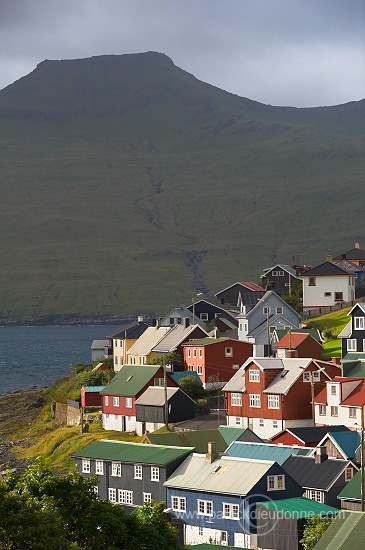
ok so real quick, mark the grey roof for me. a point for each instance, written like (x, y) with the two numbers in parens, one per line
(284, 267)
(264, 298)
(100, 344)
(176, 336)
(227, 475)
(308, 474)
(327, 268)
(353, 254)
(147, 340)
(349, 266)
(265, 451)
(155, 395)
(274, 318)
(237, 382)
(314, 434)
(132, 330)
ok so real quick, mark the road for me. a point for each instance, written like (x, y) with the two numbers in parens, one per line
(207, 422)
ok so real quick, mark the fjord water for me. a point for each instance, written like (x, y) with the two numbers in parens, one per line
(37, 356)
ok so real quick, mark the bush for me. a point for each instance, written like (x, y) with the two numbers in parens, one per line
(192, 387)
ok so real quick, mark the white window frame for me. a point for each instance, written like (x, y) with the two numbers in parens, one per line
(334, 411)
(178, 504)
(106, 400)
(155, 473)
(112, 494)
(254, 375)
(224, 538)
(205, 507)
(189, 352)
(333, 389)
(261, 422)
(351, 344)
(147, 497)
(276, 480)
(322, 410)
(200, 353)
(116, 401)
(266, 310)
(352, 412)
(359, 323)
(275, 424)
(199, 370)
(255, 400)
(280, 310)
(236, 399)
(116, 469)
(316, 495)
(99, 467)
(138, 473)
(273, 402)
(231, 511)
(316, 376)
(281, 273)
(228, 352)
(349, 473)
(204, 316)
(128, 402)
(125, 497)
(306, 376)
(194, 352)
(85, 466)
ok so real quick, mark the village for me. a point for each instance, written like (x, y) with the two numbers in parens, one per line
(284, 441)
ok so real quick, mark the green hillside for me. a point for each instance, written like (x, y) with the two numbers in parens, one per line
(127, 185)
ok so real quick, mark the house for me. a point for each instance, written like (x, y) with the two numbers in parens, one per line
(281, 277)
(120, 395)
(140, 353)
(179, 375)
(326, 285)
(305, 436)
(150, 407)
(342, 400)
(181, 316)
(100, 349)
(341, 445)
(346, 532)
(358, 271)
(199, 439)
(350, 496)
(172, 341)
(271, 394)
(90, 396)
(123, 338)
(217, 496)
(356, 255)
(227, 322)
(298, 344)
(258, 322)
(201, 309)
(240, 294)
(129, 474)
(265, 451)
(215, 359)
(278, 334)
(353, 334)
(281, 523)
(321, 477)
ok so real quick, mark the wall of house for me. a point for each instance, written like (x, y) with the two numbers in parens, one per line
(350, 505)
(90, 399)
(314, 296)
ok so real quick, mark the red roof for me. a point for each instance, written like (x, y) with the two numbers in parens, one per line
(252, 286)
(321, 397)
(292, 339)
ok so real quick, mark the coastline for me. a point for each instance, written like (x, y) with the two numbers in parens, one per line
(72, 319)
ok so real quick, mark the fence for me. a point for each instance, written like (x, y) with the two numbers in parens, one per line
(314, 311)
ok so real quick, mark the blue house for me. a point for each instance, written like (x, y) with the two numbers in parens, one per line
(217, 496)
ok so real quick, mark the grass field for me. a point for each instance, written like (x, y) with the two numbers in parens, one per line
(335, 321)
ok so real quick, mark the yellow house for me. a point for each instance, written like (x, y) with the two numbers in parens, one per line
(140, 353)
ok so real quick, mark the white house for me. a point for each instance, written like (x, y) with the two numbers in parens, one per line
(341, 402)
(327, 284)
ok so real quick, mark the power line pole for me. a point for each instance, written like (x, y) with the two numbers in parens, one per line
(166, 410)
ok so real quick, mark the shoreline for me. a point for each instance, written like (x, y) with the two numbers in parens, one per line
(72, 319)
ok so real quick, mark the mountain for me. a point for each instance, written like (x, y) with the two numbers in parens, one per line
(128, 185)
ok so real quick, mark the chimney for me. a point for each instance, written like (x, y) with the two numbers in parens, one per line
(212, 452)
(336, 360)
(321, 455)
(357, 245)
(291, 353)
(156, 322)
(328, 258)
(186, 322)
(344, 256)
(140, 319)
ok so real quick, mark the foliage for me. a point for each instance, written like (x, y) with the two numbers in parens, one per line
(314, 529)
(170, 358)
(327, 334)
(295, 298)
(192, 387)
(71, 506)
(108, 361)
(70, 387)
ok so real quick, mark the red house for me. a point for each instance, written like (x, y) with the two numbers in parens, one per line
(298, 344)
(119, 396)
(270, 394)
(90, 396)
(215, 359)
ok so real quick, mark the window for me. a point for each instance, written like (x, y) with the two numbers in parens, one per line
(306, 376)
(155, 473)
(158, 381)
(194, 352)
(125, 497)
(231, 511)
(204, 316)
(200, 531)
(178, 504)
(137, 471)
(199, 369)
(254, 376)
(266, 310)
(287, 284)
(333, 390)
(315, 495)
(322, 410)
(224, 538)
(235, 367)
(334, 411)
(312, 281)
(228, 352)
(273, 402)
(128, 402)
(147, 497)
(171, 321)
(236, 399)
(276, 482)
(106, 400)
(352, 412)
(116, 360)
(99, 467)
(200, 352)
(179, 321)
(255, 400)
(96, 490)
(281, 273)
(116, 469)
(349, 473)
(85, 466)
(279, 310)
(112, 495)
(115, 401)
(261, 422)
(338, 296)
(142, 360)
(275, 424)
(238, 421)
(315, 375)
(351, 344)
(274, 273)
(189, 352)
(205, 507)
(327, 294)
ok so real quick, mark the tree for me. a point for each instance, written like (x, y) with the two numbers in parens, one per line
(192, 387)
(171, 358)
(314, 529)
(152, 531)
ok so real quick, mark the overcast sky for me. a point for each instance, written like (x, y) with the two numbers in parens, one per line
(282, 52)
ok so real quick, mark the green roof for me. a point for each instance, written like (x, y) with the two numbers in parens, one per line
(352, 488)
(125, 451)
(311, 331)
(130, 380)
(299, 508)
(346, 532)
(355, 369)
(193, 438)
(207, 341)
(231, 433)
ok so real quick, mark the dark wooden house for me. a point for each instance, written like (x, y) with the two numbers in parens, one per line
(240, 294)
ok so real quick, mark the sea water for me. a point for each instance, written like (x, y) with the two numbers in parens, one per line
(37, 356)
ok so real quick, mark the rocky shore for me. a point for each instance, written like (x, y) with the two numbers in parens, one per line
(17, 409)
(73, 319)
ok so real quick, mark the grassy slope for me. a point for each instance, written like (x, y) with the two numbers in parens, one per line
(335, 321)
(127, 183)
